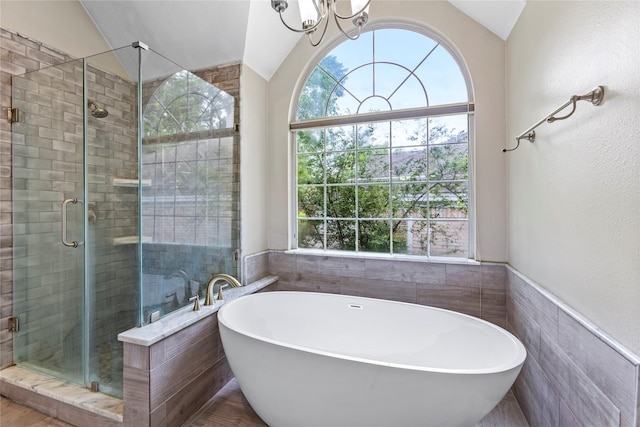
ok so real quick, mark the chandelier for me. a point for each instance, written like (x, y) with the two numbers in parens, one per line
(315, 15)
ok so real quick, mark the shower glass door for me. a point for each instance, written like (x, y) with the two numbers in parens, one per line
(111, 249)
(76, 251)
(48, 206)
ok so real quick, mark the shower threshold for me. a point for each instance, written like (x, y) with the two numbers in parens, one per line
(60, 399)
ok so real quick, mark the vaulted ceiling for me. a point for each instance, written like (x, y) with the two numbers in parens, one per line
(198, 34)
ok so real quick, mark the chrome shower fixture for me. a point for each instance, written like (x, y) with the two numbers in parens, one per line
(96, 110)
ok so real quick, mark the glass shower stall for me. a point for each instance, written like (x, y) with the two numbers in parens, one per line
(125, 201)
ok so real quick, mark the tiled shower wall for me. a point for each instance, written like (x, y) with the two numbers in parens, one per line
(112, 153)
(574, 376)
(17, 55)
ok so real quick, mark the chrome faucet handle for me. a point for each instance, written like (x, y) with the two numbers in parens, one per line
(196, 304)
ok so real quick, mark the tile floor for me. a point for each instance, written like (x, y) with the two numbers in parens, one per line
(14, 415)
(229, 408)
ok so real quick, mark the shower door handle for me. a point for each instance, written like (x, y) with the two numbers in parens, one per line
(72, 244)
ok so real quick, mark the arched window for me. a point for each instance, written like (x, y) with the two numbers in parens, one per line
(183, 104)
(382, 133)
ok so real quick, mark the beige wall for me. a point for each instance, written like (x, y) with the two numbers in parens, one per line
(61, 24)
(253, 164)
(484, 56)
(574, 194)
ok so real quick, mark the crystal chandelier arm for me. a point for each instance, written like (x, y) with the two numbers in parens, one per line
(335, 10)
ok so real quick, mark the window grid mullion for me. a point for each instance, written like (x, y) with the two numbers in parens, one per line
(195, 209)
(373, 61)
(324, 173)
(428, 210)
(357, 184)
(390, 177)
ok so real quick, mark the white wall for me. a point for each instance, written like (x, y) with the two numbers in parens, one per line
(253, 161)
(484, 55)
(574, 194)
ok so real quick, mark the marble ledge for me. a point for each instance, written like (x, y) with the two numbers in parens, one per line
(150, 334)
(64, 391)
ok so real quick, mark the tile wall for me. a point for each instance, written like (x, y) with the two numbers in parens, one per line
(169, 381)
(255, 267)
(574, 375)
(18, 55)
(478, 290)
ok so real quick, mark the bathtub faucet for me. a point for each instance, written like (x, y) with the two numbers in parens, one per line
(219, 277)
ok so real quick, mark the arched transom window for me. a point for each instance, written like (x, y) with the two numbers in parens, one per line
(382, 132)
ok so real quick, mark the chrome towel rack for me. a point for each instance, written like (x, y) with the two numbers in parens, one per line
(595, 97)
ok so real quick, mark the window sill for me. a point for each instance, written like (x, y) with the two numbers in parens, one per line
(379, 256)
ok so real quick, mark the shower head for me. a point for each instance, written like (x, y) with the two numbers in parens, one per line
(96, 110)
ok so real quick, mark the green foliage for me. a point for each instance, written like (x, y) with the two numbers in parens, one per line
(314, 99)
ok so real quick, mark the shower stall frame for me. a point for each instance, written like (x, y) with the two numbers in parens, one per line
(91, 375)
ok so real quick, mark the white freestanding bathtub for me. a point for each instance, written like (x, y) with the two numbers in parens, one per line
(311, 359)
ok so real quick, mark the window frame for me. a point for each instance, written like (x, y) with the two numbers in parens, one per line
(427, 112)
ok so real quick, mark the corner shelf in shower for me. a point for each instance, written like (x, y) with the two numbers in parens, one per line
(124, 182)
(130, 240)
